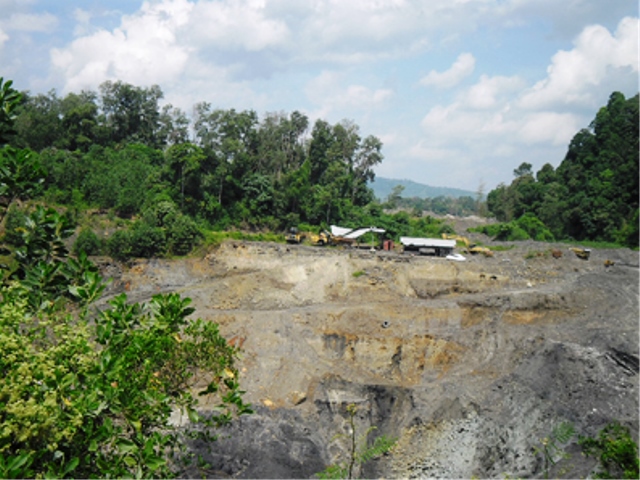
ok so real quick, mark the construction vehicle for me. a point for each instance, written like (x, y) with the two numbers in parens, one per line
(470, 248)
(294, 236)
(320, 239)
(581, 253)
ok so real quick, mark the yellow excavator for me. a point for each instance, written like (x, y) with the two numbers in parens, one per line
(471, 248)
(581, 253)
(294, 236)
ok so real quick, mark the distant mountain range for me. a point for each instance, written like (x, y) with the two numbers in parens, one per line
(382, 187)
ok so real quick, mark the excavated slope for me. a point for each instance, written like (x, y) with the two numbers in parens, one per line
(468, 364)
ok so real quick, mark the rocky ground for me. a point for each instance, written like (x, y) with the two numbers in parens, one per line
(468, 364)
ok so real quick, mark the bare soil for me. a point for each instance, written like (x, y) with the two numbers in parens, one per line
(468, 364)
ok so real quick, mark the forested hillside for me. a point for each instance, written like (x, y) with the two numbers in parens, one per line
(593, 194)
(117, 149)
(164, 177)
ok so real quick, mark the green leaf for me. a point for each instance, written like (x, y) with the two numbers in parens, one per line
(154, 462)
(69, 467)
(193, 415)
(125, 445)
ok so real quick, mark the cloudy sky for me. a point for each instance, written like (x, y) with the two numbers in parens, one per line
(461, 92)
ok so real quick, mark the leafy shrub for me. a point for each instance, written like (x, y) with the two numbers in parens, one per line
(535, 228)
(616, 451)
(87, 242)
(510, 232)
(91, 397)
(528, 226)
(182, 235)
(15, 220)
(119, 245)
(147, 241)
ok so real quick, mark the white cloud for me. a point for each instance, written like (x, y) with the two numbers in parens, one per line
(331, 92)
(241, 24)
(461, 68)
(598, 57)
(3, 38)
(491, 92)
(548, 127)
(142, 51)
(23, 22)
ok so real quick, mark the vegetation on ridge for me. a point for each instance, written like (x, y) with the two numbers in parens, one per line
(91, 394)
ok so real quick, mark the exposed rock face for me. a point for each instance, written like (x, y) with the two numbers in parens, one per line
(468, 364)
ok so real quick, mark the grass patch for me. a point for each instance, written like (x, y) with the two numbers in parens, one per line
(592, 244)
(214, 238)
(501, 248)
(358, 273)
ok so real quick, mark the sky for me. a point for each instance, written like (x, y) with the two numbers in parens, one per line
(460, 92)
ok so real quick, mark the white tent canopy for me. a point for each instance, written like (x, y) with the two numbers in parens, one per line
(353, 233)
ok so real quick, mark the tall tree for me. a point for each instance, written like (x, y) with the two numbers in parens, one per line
(39, 124)
(131, 113)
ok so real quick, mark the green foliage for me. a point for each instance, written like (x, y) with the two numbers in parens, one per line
(87, 242)
(73, 408)
(550, 447)
(119, 245)
(616, 451)
(593, 194)
(90, 396)
(182, 235)
(534, 227)
(359, 452)
(9, 101)
(14, 226)
(20, 176)
(147, 241)
(526, 227)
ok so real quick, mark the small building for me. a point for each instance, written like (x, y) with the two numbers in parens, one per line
(428, 246)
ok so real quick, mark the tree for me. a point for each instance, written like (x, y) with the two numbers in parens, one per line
(524, 169)
(593, 194)
(367, 156)
(395, 195)
(20, 176)
(131, 113)
(9, 101)
(183, 169)
(80, 122)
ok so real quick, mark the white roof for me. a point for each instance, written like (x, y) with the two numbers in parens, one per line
(427, 242)
(353, 233)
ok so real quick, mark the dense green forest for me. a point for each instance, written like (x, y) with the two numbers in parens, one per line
(593, 194)
(117, 149)
(164, 177)
(169, 177)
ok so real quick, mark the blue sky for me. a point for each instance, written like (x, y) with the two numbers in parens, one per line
(460, 92)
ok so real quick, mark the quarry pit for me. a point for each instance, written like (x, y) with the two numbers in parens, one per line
(467, 364)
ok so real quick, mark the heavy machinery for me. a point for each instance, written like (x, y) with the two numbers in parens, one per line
(296, 237)
(320, 239)
(581, 253)
(470, 248)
